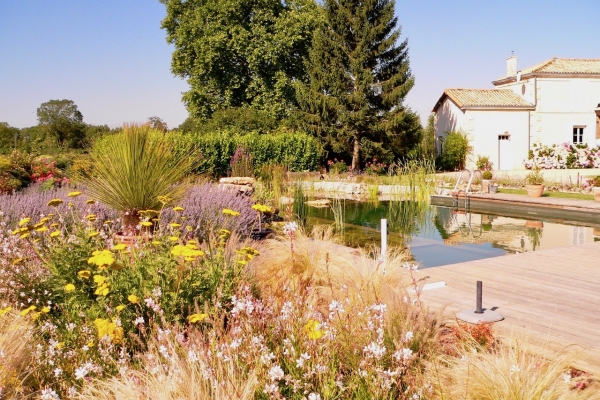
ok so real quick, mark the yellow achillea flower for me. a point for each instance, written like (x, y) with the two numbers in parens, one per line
(99, 279)
(262, 208)
(54, 224)
(91, 217)
(102, 290)
(228, 211)
(102, 258)
(42, 229)
(174, 225)
(55, 234)
(108, 328)
(119, 246)
(120, 307)
(188, 253)
(156, 242)
(16, 261)
(69, 287)
(38, 225)
(23, 236)
(5, 311)
(146, 223)
(192, 319)
(55, 202)
(84, 274)
(45, 310)
(74, 194)
(133, 299)
(173, 238)
(90, 201)
(178, 208)
(313, 329)
(44, 220)
(24, 221)
(93, 234)
(28, 310)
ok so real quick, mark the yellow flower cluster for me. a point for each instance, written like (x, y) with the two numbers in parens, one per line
(55, 202)
(248, 254)
(313, 329)
(102, 289)
(189, 252)
(227, 211)
(192, 319)
(5, 311)
(102, 258)
(108, 328)
(262, 208)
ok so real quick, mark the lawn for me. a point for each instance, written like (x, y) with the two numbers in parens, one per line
(558, 195)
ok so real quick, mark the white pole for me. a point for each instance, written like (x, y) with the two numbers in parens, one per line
(383, 239)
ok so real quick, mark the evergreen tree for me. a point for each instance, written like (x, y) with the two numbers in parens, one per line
(359, 77)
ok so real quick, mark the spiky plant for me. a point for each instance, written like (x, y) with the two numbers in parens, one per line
(137, 170)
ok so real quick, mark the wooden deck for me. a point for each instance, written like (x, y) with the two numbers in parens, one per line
(551, 296)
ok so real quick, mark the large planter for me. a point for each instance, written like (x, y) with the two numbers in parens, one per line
(534, 190)
(597, 194)
(485, 183)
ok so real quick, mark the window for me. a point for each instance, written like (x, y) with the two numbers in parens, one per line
(578, 134)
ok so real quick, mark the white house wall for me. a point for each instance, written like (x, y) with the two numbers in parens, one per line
(561, 104)
(487, 126)
(448, 118)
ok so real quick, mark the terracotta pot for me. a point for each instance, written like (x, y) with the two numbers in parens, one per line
(534, 190)
(597, 194)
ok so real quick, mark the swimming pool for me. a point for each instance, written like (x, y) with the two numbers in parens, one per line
(439, 235)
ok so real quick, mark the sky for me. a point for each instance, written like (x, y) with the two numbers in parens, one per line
(112, 59)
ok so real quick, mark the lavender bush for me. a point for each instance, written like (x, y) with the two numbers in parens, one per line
(203, 207)
(32, 202)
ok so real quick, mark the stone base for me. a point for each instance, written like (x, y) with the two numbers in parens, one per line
(472, 317)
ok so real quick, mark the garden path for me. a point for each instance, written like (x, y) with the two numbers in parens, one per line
(551, 296)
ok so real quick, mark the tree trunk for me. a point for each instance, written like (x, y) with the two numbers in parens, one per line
(356, 155)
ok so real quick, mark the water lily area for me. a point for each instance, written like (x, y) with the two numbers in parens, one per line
(176, 301)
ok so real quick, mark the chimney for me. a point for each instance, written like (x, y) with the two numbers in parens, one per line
(511, 65)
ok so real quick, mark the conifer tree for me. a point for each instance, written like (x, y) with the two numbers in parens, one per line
(359, 77)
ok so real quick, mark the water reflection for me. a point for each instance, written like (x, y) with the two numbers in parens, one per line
(439, 235)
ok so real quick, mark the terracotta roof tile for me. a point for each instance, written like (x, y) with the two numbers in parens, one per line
(466, 98)
(563, 66)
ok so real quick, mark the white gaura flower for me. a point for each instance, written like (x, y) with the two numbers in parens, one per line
(290, 228)
(276, 373)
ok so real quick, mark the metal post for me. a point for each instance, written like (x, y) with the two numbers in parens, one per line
(479, 301)
(383, 239)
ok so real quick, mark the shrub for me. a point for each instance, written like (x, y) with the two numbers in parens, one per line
(483, 163)
(560, 156)
(487, 175)
(298, 151)
(454, 152)
(337, 166)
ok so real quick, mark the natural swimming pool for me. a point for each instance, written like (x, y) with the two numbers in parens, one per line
(439, 235)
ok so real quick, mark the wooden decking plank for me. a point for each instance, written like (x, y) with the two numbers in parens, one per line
(553, 296)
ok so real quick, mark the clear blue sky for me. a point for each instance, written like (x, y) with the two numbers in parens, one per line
(111, 57)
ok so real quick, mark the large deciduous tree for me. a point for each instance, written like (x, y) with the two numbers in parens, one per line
(359, 77)
(240, 53)
(63, 121)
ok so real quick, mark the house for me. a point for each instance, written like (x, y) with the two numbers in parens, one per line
(553, 102)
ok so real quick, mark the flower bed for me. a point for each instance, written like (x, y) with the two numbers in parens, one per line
(562, 156)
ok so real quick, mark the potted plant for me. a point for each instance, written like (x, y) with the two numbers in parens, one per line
(486, 178)
(137, 173)
(534, 182)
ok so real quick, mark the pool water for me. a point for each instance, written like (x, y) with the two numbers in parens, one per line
(441, 236)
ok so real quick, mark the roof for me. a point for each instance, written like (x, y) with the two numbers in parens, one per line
(484, 98)
(561, 66)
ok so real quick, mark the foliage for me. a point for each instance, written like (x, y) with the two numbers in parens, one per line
(15, 171)
(534, 177)
(487, 174)
(483, 163)
(359, 77)
(337, 166)
(157, 124)
(298, 151)
(239, 53)
(426, 148)
(9, 138)
(136, 170)
(63, 122)
(375, 167)
(562, 156)
(454, 152)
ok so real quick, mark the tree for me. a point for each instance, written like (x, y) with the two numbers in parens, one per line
(9, 138)
(359, 77)
(158, 124)
(237, 53)
(62, 120)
